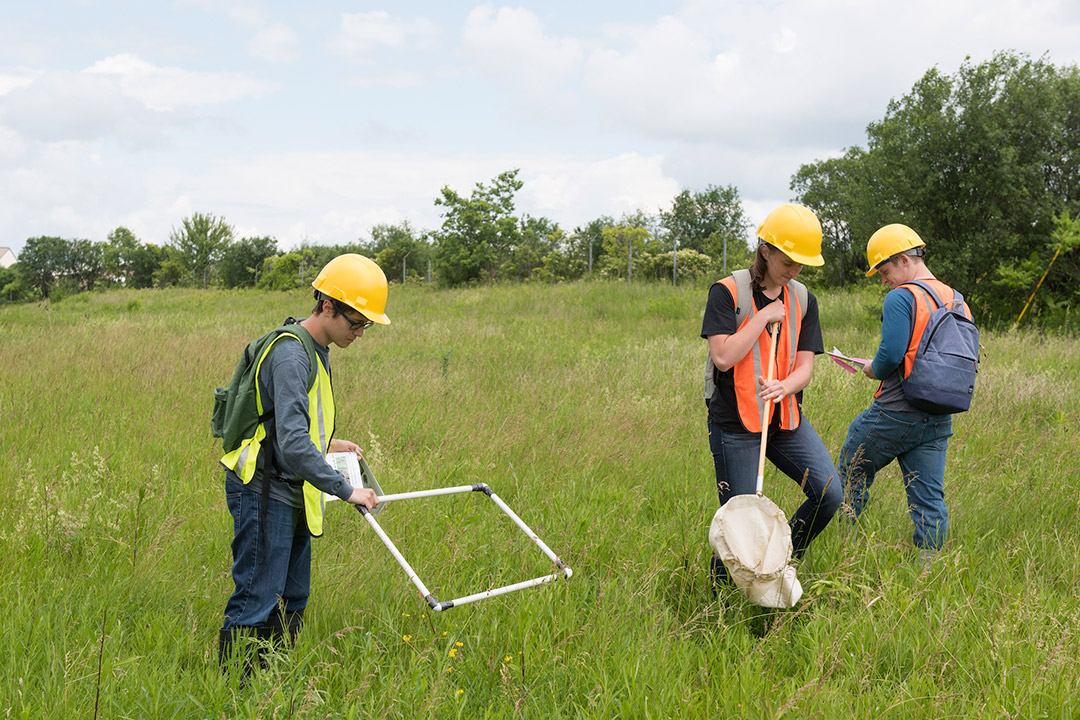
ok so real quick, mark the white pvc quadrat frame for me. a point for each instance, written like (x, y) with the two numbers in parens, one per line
(564, 570)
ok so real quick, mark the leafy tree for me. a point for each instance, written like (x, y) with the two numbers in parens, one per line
(171, 271)
(1030, 275)
(979, 163)
(539, 238)
(476, 230)
(83, 263)
(691, 264)
(399, 249)
(12, 286)
(831, 188)
(40, 261)
(201, 240)
(242, 261)
(706, 221)
(129, 261)
(588, 241)
(620, 243)
(291, 270)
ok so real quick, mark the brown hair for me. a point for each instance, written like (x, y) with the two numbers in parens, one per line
(760, 266)
(319, 298)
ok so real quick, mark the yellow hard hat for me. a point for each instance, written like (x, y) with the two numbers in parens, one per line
(356, 281)
(795, 231)
(888, 241)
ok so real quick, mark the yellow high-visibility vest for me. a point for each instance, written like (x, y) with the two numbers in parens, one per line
(243, 460)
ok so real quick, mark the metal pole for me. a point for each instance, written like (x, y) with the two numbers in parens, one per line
(674, 261)
(630, 263)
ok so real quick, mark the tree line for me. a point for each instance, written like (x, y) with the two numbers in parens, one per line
(482, 239)
(984, 164)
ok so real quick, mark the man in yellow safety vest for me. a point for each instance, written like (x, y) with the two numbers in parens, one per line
(275, 479)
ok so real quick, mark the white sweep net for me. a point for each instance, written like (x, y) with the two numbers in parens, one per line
(750, 534)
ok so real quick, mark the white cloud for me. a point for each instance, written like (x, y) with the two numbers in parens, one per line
(510, 45)
(575, 191)
(270, 40)
(13, 148)
(75, 106)
(321, 197)
(274, 42)
(21, 79)
(785, 41)
(361, 35)
(122, 96)
(166, 88)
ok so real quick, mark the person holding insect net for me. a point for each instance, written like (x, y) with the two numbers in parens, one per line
(737, 315)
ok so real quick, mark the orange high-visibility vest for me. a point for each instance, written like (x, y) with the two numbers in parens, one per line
(924, 305)
(753, 364)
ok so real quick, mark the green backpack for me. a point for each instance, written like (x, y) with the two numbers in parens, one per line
(236, 413)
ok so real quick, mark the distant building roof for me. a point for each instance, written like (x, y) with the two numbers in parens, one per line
(7, 257)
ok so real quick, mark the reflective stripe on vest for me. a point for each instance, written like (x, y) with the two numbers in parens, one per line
(243, 460)
(924, 305)
(746, 371)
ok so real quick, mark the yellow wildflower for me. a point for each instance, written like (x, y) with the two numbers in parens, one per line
(460, 691)
(506, 659)
(460, 644)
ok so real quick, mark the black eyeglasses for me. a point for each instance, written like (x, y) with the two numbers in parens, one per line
(362, 324)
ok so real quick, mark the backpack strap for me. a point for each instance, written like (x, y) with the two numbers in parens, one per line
(928, 290)
(801, 293)
(744, 295)
(744, 305)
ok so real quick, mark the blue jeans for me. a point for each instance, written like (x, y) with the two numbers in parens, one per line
(918, 442)
(270, 574)
(797, 453)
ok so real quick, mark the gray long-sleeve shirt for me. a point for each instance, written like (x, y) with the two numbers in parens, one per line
(283, 388)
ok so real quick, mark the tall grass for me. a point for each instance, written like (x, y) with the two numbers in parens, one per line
(581, 406)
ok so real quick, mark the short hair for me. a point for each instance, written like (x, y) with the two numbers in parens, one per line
(319, 297)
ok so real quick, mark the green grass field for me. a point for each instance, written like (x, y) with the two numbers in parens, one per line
(581, 406)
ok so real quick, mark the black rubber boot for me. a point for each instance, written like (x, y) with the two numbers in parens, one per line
(238, 646)
(294, 621)
(285, 626)
(718, 575)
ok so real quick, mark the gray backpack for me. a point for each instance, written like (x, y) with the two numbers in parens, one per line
(942, 378)
(744, 307)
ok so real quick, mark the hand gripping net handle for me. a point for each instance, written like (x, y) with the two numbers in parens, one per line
(767, 412)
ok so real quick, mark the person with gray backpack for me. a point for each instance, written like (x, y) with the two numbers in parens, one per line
(926, 364)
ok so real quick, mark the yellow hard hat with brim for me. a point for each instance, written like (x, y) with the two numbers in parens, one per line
(358, 282)
(889, 241)
(795, 231)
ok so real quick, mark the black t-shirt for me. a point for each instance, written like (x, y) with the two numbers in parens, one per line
(720, 320)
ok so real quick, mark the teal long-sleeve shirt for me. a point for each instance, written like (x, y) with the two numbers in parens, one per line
(897, 313)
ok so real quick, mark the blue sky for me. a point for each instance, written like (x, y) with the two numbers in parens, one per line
(317, 120)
